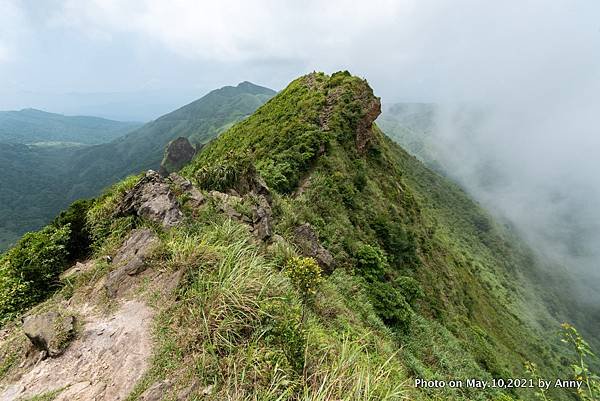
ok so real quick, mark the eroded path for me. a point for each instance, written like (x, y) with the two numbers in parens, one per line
(109, 356)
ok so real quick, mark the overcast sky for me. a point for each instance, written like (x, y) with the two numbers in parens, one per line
(176, 50)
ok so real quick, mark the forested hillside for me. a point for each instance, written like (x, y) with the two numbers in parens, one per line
(41, 180)
(31, 126)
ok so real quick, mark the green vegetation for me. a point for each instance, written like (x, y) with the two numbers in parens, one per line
(30, 126)
(590, 390)
(39, 181)
(424, 285)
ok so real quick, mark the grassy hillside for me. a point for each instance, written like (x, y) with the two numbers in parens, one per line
(413, 126)
(35, 126)
(423, 283)
(472, 319)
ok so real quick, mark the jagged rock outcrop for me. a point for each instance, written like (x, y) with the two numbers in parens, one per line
(157, 391)
(364, 130)
(151, 198)
(262, 219)
(178, 153)
(130, 259)
(109, 355)
(249, 181)
(49, 332)
(193, 195)
(308, 241)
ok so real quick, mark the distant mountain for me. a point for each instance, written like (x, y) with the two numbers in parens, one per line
(35, 126)
(200, 121)
(32, 187)
(38, 181)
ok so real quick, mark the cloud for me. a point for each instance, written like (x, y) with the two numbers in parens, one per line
(233, 30)
(12, 29)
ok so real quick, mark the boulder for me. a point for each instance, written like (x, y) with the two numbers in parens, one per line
(130, 259)
(49, 332)
(308, 241)
(151, 198)
(178, 153)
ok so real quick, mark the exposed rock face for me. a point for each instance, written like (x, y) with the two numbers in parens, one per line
(49, 332)
(178, 153)
(151, 198)
(250, 182)
(249, 185)
(130, 259)
(308, 241)
(262, 219)
(195, 197)
(370, 109)
(77, 269)
(364, 130)
(156, 392)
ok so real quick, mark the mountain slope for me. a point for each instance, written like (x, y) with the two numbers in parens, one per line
(200, 121)
(41, 180)
(310, 258)
(33, 126)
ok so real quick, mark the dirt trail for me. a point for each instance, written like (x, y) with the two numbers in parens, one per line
(109, 356)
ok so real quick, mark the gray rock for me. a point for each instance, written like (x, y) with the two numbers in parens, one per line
(308, 241)
(151, 198)
(156, 392)
(195, 197)
(262, 219)
(178, 153)
(49, 332)
(225, 204)
(130, 258)
(186, 393)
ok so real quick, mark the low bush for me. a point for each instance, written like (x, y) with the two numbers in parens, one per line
(29, 271)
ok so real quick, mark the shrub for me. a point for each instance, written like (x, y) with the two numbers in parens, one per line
(305, 274)
(390, 305)
(78, 245)
(371, 263)
(590, 390)
(29, 270)
(410, 289)
(399, 243)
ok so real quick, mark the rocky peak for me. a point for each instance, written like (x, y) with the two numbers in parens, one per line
(178, 153)
(152, 198)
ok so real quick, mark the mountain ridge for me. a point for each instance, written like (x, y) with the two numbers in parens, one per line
(301, 255)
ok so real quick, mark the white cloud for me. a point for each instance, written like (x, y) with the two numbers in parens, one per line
(12, 29)
(235, 30)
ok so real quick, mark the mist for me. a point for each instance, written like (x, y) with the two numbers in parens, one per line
(526, 143)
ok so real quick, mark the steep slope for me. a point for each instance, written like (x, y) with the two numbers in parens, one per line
(419, 129)
(309, 258)
(200, 121)
(34, 126)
